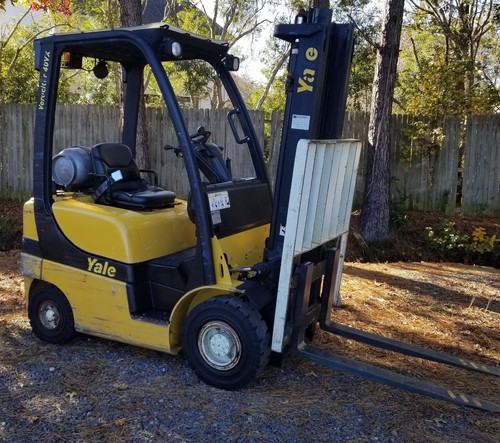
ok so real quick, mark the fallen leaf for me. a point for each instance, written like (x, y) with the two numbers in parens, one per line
(120, 421)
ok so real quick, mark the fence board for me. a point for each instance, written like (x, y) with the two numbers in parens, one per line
(443, 192)
(356, 127)
(16, 159)
(481, 184)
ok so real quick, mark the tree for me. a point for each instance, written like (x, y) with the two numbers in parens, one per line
(228, 20)
(271, 96)
(375, 216)
(365, 16)
(17, 77)
(463, 25)
(273, 75)
(63, 6)
(450, 59)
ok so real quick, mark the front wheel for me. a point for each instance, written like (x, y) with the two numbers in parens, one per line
(226, 342)
(51, 316)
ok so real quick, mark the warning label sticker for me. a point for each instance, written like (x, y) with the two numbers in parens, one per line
(300, 122)
(219, 200)
(216, 218)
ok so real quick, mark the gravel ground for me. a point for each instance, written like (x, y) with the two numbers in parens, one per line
(93, 390)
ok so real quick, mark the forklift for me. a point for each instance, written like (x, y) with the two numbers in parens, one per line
(235, 276)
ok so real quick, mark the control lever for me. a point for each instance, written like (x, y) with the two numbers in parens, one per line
(177, 150)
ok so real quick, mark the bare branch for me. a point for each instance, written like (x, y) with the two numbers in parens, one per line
(417, 60)
(249, 31)
(18, 23)
(274, 73)
(363, 33)
(395, 100)
(229, 19)
(29, 41)
(214, 21)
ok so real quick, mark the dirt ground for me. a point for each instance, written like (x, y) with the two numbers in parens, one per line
(447, 307)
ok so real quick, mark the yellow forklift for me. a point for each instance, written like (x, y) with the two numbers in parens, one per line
(233, 276)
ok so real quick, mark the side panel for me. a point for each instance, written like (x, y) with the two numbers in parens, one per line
(124, 235)
(100, 307)
(224, 286)
(186, 304)
(246, 248)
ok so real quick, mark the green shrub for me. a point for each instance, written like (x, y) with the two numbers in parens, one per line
(398, 215)
(446, 237)
(482, 242)
(452, 243)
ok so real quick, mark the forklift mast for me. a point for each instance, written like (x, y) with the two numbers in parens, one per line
(318, 74)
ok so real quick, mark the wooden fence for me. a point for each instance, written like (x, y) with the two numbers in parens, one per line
(428, 179)
(88, 125)
(424, 180)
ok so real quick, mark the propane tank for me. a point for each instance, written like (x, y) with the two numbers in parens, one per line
(71, 167)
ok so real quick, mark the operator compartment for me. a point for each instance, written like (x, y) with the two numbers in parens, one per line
(129, 236)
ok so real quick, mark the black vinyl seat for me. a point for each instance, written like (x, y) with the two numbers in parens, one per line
(119, 181)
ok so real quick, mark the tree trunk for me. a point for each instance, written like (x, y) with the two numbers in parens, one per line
(375, 217)
(131, 15)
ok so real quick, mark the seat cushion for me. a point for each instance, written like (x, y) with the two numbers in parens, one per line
(152, 197)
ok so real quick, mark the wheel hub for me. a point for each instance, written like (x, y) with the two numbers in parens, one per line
(219, 345)
(49, 315)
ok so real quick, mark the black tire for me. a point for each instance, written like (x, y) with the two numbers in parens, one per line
(226, 342)
(51, 316)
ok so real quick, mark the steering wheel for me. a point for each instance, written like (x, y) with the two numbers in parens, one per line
(201, 136)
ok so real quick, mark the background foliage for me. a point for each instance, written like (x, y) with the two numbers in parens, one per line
(449, 63)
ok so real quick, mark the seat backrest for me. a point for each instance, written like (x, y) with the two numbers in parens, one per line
(112, 157)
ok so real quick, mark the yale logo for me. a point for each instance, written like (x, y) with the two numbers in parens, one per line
(100, 268)
(307, 79)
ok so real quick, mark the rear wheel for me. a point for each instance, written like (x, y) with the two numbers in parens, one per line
(226, 342)
(51, 316)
